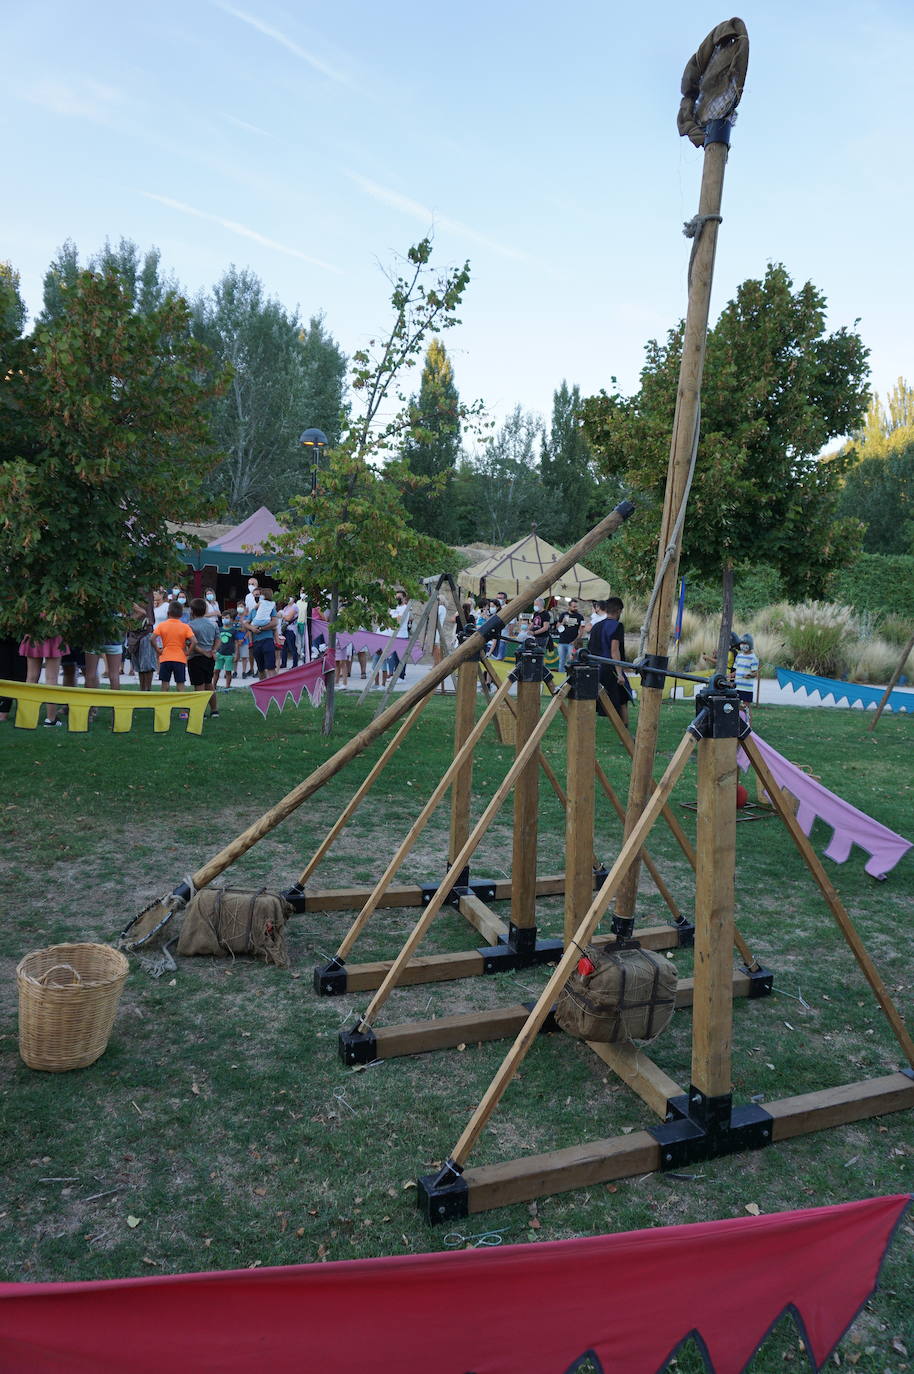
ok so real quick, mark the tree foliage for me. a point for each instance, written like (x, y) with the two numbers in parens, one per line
(108, 441)
(140, 274)
(431, 447)
(503, 494)
(350, 543)
(776, 389)
(566, 472)
(285, 378)
(879, 484)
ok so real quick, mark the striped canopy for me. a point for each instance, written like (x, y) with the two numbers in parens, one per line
(511, 570)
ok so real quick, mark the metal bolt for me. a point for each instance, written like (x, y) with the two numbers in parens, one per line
(668, 1159)
(697, 1098)
(441, 1211)
(727, 707)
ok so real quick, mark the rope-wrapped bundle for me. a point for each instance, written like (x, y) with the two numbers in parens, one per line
(713, 80)
(222, 921)
(627, 995)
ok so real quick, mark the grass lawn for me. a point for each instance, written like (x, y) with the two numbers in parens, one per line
(221, 1117)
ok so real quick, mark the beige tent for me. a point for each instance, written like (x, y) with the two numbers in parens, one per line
(510, 570)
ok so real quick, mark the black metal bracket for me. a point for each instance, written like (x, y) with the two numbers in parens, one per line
(331, 980)
(443, 1196)
(530, 664)
(761, 981)
(623, 927)
(295, 896)
(599, 877)
(652, 668)
(908, 1073)
(717, 712)
(483, 888)
(505, 956)
(686, 931)
(585, 682)
(465, 632)
(357, 1047)
(699, 1128)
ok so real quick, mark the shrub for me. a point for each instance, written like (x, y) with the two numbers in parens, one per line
(878, 582)
(818, 638)
(896, 630)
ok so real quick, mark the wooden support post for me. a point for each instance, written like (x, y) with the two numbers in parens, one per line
(582, 935)
(482, 825)
(464, 716)
(419, 825)
(581, 717)
(714, 890)
(361, 792)
(639, 1073)
(526, 810)
(835, 905)
(685, 430)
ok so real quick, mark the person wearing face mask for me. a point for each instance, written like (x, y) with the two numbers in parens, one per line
(253, 586)
(212, 611)
(262, 622)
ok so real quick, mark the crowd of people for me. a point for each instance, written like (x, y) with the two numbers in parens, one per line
(183, 640)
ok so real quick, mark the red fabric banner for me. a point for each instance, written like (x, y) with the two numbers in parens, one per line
(627, 1300)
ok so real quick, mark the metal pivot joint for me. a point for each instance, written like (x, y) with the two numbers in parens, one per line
(443, 1196)
(357, 1046)
(531, 664)
(717, 715)
(585, 682)
(331, 981)
(653, 670)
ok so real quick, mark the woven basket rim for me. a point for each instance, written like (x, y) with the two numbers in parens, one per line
(119, 965)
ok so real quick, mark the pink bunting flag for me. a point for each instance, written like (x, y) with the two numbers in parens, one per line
(293, 683)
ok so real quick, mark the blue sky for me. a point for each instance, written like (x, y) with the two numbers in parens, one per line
(311, 143)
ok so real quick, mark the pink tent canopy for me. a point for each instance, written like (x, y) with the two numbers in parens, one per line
(248, 537)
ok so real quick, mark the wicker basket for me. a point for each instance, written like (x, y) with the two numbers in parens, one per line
(68, 996)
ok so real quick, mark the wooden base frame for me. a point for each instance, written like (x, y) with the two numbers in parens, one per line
(698, 1122)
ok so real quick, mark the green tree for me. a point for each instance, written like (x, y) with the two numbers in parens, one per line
(350, 544)
(566, 471)
(880, 492)
(140, 274)
(285, 378)
(111, 442)
(506, 474)
(432, 446)
(776, 389)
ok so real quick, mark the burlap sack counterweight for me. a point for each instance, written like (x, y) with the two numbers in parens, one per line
(221, 921)
(631, 995)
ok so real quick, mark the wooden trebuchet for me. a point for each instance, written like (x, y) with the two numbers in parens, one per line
(135, 935)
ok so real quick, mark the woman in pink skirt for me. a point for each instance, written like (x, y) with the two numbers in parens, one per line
(49, 653)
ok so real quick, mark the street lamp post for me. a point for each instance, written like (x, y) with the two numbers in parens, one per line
(315, 440)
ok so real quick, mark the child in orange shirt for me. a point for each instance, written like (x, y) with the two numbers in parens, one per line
(173, 642)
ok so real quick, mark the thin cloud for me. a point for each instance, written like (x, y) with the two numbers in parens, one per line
(250, 128)
(85, 100)
(422, 212)
(284, 41)
(242, 230)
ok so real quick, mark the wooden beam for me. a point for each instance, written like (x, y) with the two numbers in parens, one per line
(712, 1008)
(682, 447)
(490, 926)
(436, 968)
(582, 935)
(419, 824)
(362, 791)
(581, 718)
(580, 1166)
(526, 809)
(639, 1073)
(818, 1111)
(421, 927)
(464, 717)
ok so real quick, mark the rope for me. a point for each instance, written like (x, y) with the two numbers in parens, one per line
(692, 230)
(674, 539)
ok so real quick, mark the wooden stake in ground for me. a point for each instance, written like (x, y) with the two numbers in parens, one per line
(908, 648)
